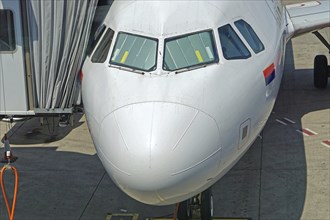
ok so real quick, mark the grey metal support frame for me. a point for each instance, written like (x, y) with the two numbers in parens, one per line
(27, 56)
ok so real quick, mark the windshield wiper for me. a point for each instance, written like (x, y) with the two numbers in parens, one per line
(127, 69)
(190, 68)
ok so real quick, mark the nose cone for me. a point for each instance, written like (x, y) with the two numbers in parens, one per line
(153, 150)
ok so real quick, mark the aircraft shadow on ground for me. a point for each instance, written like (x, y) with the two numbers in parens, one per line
(31, 131)
(270, 181)
(52, 184)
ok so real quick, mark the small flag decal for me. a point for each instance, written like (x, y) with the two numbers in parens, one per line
(269, 74)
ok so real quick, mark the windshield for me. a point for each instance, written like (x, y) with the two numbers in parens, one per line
(189, 50)
(136, 52)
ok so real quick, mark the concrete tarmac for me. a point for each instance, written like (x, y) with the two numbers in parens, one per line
(284, 175)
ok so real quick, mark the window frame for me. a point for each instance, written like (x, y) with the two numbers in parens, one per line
(13, 44)
(99, 43)
(153, 68)
(254, 36)
(100, 31)
(239, 40)
(214, 46)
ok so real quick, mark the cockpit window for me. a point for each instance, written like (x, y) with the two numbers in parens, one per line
(250, 36)
(189, 50)
(95, 38)
(232, 46)
(102, 50)
(136, 52)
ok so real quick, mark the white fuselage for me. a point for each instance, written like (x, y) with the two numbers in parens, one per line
(164, 136)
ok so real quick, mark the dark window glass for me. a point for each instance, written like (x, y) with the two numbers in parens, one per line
(250, 36)
(134, 51)
(95, 39)
(189, 50)
(232, 46)
(102, 50)
(7, 32)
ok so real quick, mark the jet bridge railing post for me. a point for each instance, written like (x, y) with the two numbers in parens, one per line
(27, 56)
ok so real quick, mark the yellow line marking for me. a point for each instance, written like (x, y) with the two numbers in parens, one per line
(123, 59)
(199, 56)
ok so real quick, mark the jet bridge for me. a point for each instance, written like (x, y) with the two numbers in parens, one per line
(42, 48)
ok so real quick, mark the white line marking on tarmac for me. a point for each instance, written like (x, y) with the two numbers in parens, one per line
(313, 132)
(307, 132)
(326, 143)
(281, 122)
(289, 120)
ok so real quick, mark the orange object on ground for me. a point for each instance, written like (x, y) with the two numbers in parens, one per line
(10, 210)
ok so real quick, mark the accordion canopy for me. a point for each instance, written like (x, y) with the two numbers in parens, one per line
(58, 37)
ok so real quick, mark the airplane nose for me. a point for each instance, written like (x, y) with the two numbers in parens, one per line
(152, 150)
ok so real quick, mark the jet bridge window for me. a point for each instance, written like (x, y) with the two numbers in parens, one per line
(134, 51)
(102, 50)
(232, 46)
(189, 51)
(250, 36)
(7, 31)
